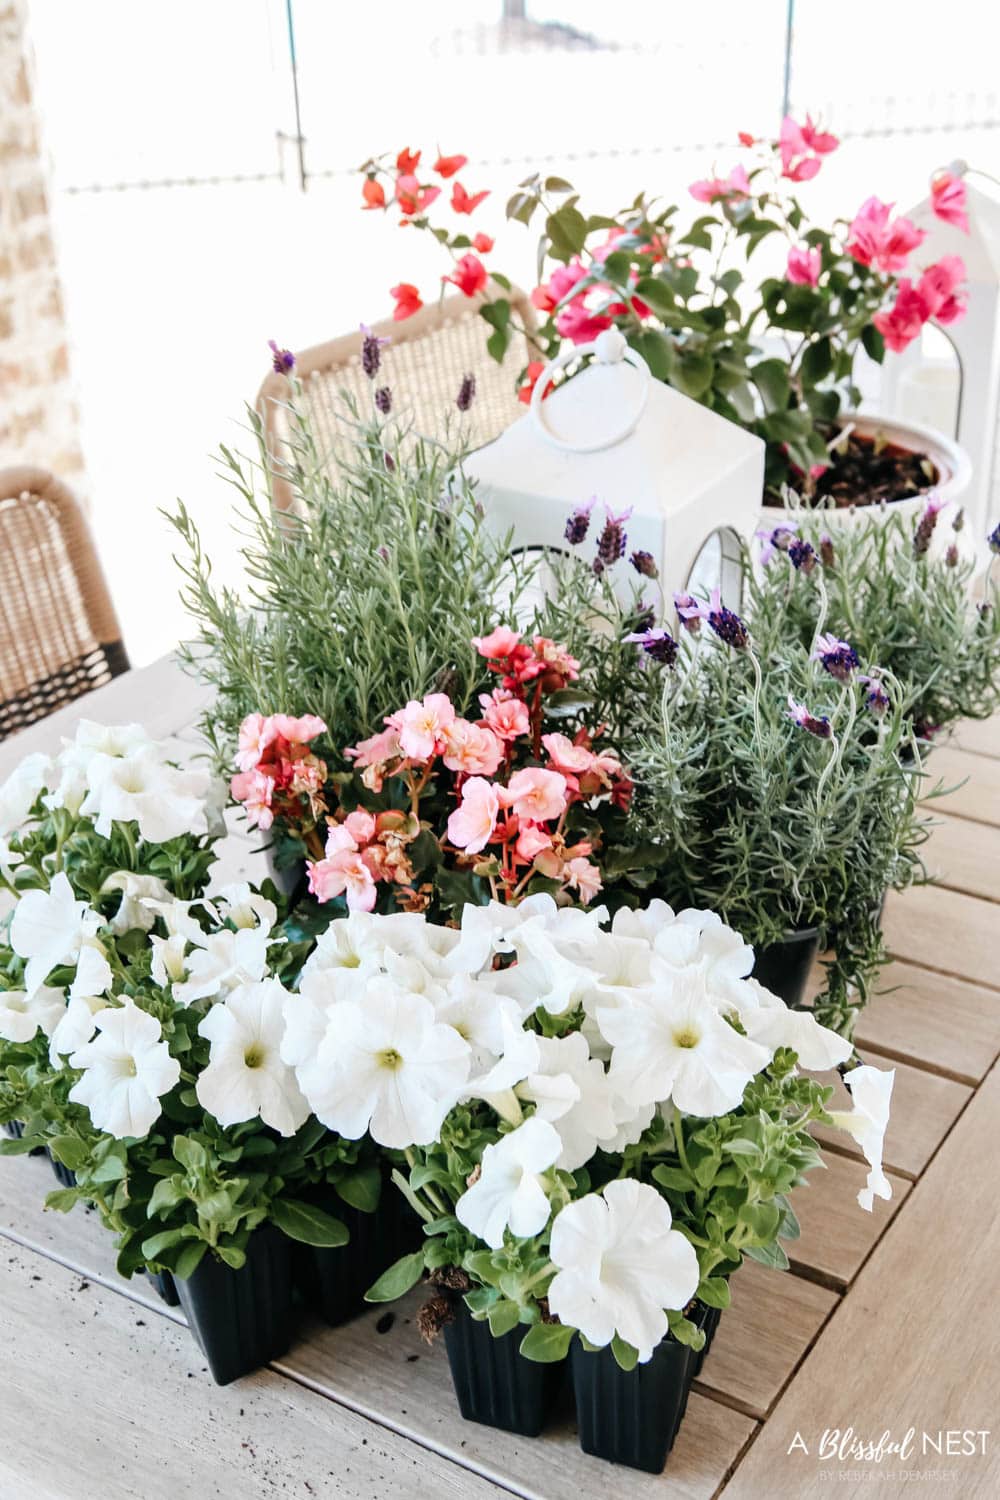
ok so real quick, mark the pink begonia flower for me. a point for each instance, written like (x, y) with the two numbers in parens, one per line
(940, 287)
(298, 731)
(873, 241)
(948, 200)
(471, 825)
(344, 873)
(421, 725)
(305, 776)
(254, 790)
(531, 840)
(338, 839)
(471, 749)
(556, 657)
(507, 717)
(583, 877)
(498, 644)
(256, 733)
(710, 189)
(376, 750)
(803, 266)
(565, 756)
(360, 825)
(535, 795)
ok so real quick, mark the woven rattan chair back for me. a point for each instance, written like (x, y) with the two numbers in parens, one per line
(59, 634)
(424, 365)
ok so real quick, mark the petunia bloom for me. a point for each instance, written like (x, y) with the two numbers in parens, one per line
(22, 1016)
(48, 928)
(871, 1089)
(246, 1078)
(621, 1266)
(126, 1071)
(510, 1191)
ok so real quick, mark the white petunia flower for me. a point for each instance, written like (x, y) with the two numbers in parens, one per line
(48, 928)
(871, 1089)
(621, 1264)
(20, 791)
(768, 1020)
(137, 891)
(9, 860)
(643, 923)
(583, 1113)
(223, 961)
(22, 1015)
(127, 1068)
(142, 789)
(75, 1028)
(93, 972)
(168, 965)
(361, 940)
(700, 939)
(246, 1076)
(513, 1056)
(245, 907)
(93, 746)
(509, 1192)
(671, 1043)
(387, 1065)
(307, 1014)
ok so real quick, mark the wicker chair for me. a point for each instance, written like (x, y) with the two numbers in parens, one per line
(59, 634)
(424, 364)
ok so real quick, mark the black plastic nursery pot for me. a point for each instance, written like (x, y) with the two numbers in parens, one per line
(494, 1383)
(242, 1319)
(165, 1285)
(335, 1281)
(783, 968)
(15, 1129)
(64, 1176)
(631, 1417)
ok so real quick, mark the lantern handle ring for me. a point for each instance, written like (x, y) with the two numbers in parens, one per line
(608, 348)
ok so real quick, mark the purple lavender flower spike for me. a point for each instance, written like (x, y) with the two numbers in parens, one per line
(801, 555)
(926, 524)
(643, 563)
(951, 556)
(578, 523)
(817, 724)
(611, 544)
(383, 400)
(283, 360)
(690, 612)
(836, 657)
(876, 697)
(776, 539)
(371, 351)
(994, 539)
(659, 645)
(466, 393)
(728, 626)
(827, 556)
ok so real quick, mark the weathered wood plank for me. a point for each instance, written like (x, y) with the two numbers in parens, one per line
(944, 930)
(838, 1235)
(104, 1403)
(934, 1020)
(773, 1321)
(981, 736)
(890, 1358)
(924, 1108)
(976, 782)
(964, 856)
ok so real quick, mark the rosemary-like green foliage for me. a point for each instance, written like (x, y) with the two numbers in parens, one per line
(775, 828)
(899, 591)
(366, 595)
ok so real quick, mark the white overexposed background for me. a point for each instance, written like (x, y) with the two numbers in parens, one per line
(186, 241)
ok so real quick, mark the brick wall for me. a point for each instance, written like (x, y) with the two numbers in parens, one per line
(38, 414)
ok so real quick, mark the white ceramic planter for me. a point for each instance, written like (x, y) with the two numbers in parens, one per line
(950, 460)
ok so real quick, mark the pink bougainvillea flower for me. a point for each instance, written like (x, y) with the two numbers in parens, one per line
(746, 139)
(255, 791)
(567, 757)
(447, 166)
(904, 320)
(583, 877)
(803, 265)
(800, 148)
(559, 285)
(534, 794)
(940, 288)
(820, 141)
(873, 241)
(466, 203)
(373, 193)
(482, 243)
(531, 376)
(711, 189)
(407, 161)
(411, 198)
(471, 749)
(422, 725)
(949, 198)
(256, 734)
(298, 731)
(471, 825)
(470, 275)
(577, 323)
(499, 644)
(531, 840)
(407, 300)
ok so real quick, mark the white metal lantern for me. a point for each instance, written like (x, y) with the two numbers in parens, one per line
(963, 402)
(693, 480)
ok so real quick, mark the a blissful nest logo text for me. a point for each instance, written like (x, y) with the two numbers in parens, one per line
(847, 1453)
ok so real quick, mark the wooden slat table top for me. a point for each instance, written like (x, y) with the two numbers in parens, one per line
(375, 1414)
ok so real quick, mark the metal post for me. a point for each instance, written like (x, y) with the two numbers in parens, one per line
(786, 93)
(298, 137)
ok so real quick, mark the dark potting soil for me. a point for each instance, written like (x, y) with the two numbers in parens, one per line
(866, 472)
